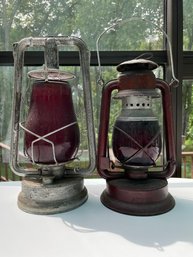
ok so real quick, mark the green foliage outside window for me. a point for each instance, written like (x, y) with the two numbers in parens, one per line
(87, 19)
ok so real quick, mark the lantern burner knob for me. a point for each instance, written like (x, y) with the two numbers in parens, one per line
(136, 64)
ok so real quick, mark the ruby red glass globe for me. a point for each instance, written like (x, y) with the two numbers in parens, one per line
(137, 143)
(51, 108)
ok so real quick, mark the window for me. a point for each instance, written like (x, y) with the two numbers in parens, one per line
(85, 19)
(187, 92)
(88, 19)
(187, 25)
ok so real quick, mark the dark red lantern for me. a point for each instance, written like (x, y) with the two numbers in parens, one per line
(48, 127)
(144, 153)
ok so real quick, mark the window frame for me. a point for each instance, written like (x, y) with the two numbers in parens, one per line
(183, 63)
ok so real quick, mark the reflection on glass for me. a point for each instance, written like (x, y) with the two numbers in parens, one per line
(187, 25)
(187, 128)
(43, 18)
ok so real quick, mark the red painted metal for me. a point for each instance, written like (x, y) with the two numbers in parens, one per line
(103, 160)
(127, 81)
(134, 190)
(169, 130)
(138, 197)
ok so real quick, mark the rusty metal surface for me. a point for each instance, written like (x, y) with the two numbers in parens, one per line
(84, 56)
(61, 196)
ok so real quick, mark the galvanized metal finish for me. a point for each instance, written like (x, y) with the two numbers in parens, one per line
(61, 196)
(153, 93)
(136, 108)
(49, 189)
(137, 102)
(52, 74)
(51, 62)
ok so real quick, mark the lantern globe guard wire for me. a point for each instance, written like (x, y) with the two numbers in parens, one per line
(45, 139)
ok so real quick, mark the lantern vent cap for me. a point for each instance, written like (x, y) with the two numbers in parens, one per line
(137, 64)
(50, 74)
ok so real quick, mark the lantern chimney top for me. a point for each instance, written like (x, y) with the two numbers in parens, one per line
(136, 64)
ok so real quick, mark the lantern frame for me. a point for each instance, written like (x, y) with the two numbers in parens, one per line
(125, 83)
(69, 191)
(136, 191)
(138, 194)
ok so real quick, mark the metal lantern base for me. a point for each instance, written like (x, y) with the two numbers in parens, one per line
(61, 196)
(144, 197)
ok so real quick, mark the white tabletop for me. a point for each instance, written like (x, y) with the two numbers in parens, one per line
(93, 230)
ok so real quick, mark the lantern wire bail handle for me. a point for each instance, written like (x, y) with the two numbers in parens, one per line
(119, 22)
